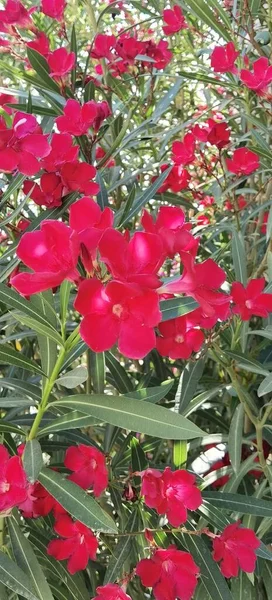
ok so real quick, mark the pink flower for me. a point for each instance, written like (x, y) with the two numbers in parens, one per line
(7, 99)
(171, 228)
(178, 340)
(49, 193)
(175, 20)
(77, 176)
(236, 548)
(251, 300)
(136, 260)
(90, 223)
(62, 151)
(243, 162)
(52, 253)
(201, 281)
(111, 591)
(117, 313)
(159, 52)
(41, 44)
(103, 46)
(61, 62)
(203, 220)
(223, 58)
(89, 467)
(77, 119)
(153, 490)
(260, 78)
(219, 134)
(15, 14)
(13, 481)
(176, 180)
(54, 9)
(184, 152)
(78, 546)
(171, 573)
(22, 145)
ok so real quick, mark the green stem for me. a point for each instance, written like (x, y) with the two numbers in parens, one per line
(46, 394)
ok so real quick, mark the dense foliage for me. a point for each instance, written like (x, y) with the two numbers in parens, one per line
(136, 300)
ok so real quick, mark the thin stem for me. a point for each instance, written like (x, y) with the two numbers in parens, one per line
(167, 531)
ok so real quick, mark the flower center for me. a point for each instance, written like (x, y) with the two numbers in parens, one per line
(4, 487)
(179, 338)
(248, 303)
(117, 310)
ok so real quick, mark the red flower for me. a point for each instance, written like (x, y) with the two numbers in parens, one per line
(13, 481)
(100, 153)
(54, 9)
(39, 503)
(175, 20)
(103, 46)
(184, 152)
(89, 467)
(41, 44)
(127, 47)
(49, 193)
(171, 227)
(76, 176)
(219, 464)
(15, 14)
(264, 222)
(22, 224)
(203, 220)
(78, 546)
(22, 145)
(61, 62)
(219, 134)
(178, 340)
(171, 573)
(260, 78)
(135, 261)
(236, 547)
(52, 253)
(223, 58)
(77, 119)
(117, 313)
(90, 223)
(250, 300)
(111, 591)
(7, 99)
(153, 490)
(176, 180)
(159, 53)
(201, 281)
(62, 151)
(243, 162)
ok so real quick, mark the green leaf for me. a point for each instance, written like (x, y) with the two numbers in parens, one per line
(9, 428)
(8, 356)
(122, 381)
(177, 307)
(266, 386)
(165, 102)
(13, 299)
(15, 579)
(40, 65)
(121, 551)
(32, 460)
(239, 257)
(153, 394)
(134, 415)
(242, 588)
(27, 561)
(47, 343)
(96, 362)
(65, 290)
(235, 437)
(72, 420)
(188, 382)
(209, 17)
(39, 328)
(33, 391)
(138, 458)
(14, 185)
(75, 500)
(247, 363)
(73, 378)
(201, 398)
(73, 46)
(235, 480)
(102, 196)
(148, 194)
(239, 503)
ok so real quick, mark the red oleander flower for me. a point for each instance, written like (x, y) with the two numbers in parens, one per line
(251, 300)
(223, 58)
(178, 339)
(243, 162)
(174, 20)
(22, 145)
(52, 253)
(159, 52)
(78, 119)
(260, 78)
(201, 281)
(100, 153)
(236, 548)
(13, 481)
(7, 99)
(137, 260)
(39, 503)
(90, 222)
(89, 467)
(219, 134)
(118, 313)
(54, 9)
(103, 46)
(77, 176)
(16, 14)
(61, 62)
(48, 193)
(111, 591)
(153, 490)
(171, 573)
(41, 44)
(78, 546)
(219, 464)
(171, 227)
(184, 152)
(62, 151)
(176, 180)
(128, 47)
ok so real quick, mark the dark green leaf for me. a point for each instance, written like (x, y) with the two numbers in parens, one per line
(235, 437)
(176, 307)
(188, 384)
(32, 460)
(15, 579)
(8, 356)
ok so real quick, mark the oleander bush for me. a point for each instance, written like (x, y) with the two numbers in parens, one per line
(136, 300)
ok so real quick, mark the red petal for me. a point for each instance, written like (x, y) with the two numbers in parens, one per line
(100, 332)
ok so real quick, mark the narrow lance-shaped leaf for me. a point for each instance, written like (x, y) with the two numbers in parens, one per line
(32, 460)
(15, 579)
(235, 437)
